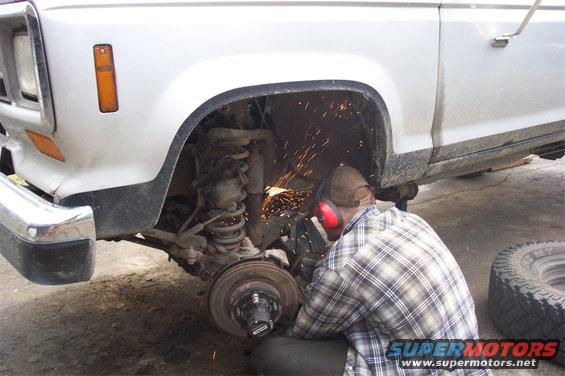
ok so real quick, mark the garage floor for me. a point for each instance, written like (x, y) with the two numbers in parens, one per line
(140, 314)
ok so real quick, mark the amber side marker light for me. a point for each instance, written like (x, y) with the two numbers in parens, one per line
(45, 145)
(105, 78)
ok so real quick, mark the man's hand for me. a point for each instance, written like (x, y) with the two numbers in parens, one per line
(307, 266)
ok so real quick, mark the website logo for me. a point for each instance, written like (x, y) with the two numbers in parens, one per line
(450, 354)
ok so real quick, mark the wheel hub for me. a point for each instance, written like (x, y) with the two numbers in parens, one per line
(251, 297)
(257, 311)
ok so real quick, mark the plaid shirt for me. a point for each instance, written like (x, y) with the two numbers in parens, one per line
(389, 276)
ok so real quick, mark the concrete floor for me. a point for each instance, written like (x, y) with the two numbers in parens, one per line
(141, 315)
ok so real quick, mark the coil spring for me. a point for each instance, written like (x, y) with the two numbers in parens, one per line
(228, 230)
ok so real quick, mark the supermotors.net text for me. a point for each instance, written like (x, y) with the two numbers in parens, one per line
(469, 363)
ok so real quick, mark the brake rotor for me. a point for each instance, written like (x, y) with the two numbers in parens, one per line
(245, 283)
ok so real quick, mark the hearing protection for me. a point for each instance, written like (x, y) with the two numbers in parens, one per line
(327, 212)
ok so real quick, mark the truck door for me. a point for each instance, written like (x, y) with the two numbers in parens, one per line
(491, 96)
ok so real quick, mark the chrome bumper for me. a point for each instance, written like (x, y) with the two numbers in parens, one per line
(46, 243)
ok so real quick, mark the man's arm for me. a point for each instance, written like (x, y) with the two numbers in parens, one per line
(331, 306)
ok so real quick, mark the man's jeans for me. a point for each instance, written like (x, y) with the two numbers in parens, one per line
(294, 356)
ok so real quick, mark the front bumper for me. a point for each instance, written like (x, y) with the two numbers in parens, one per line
(46, 243)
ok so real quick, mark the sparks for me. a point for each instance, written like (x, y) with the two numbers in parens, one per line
(278, 203)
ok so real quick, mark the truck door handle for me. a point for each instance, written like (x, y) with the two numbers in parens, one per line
(503, 40)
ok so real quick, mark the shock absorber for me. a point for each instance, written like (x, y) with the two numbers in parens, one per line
(247, 149)
(226, 196)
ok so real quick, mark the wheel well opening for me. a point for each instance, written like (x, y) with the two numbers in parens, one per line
(313, 132)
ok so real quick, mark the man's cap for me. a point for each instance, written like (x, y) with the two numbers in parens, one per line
(340, 186)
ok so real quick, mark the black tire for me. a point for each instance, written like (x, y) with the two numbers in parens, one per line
(527, 292)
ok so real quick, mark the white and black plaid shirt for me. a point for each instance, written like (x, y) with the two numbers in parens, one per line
(388, 277)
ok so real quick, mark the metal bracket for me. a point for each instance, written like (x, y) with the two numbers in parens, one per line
(502, 41)
(277, 254)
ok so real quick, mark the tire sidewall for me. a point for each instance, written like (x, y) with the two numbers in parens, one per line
(525, 257)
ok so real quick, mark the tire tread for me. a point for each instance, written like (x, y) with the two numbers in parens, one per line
(521, 309)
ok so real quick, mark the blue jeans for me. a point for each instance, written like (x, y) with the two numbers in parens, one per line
(280, 355)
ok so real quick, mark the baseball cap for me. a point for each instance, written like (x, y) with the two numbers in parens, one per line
(340, 186)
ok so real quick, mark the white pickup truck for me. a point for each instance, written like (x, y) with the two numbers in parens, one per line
(175, 123)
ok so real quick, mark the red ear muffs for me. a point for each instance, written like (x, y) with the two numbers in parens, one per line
(329, 215)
